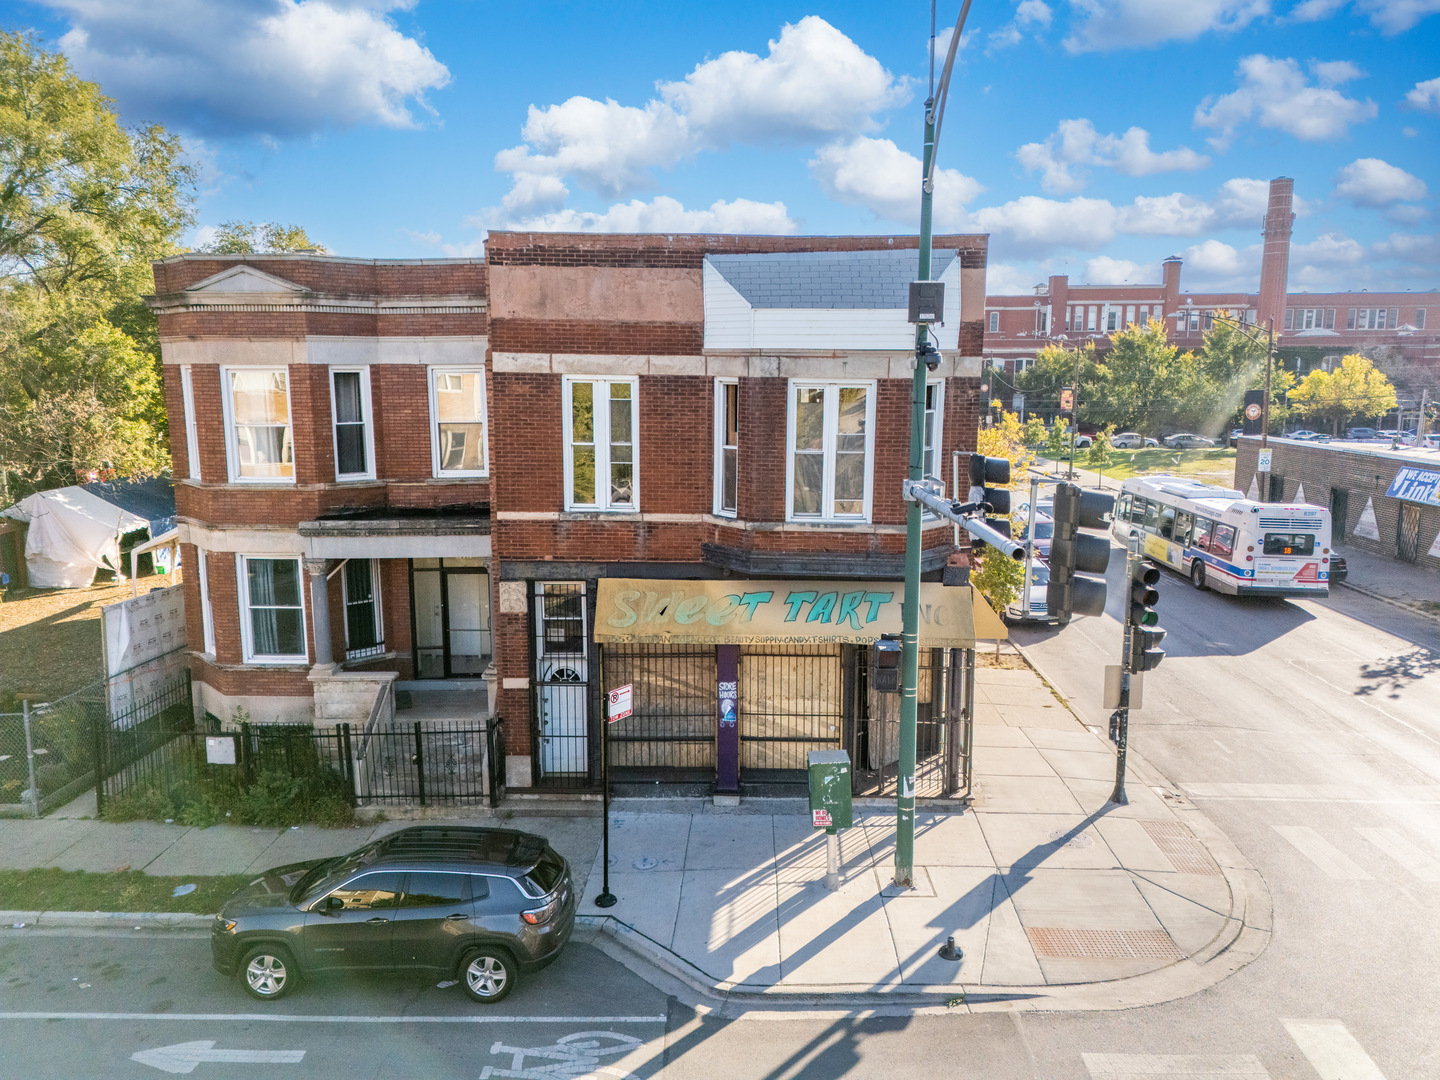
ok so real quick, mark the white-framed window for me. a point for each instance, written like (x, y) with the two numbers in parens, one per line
(1112, 319)
(1144, 314)
(934, 421)
(727, 447)
(272, 610)
(258, 437)
(192, 431)
(1042, 320)
(601, 425)
(353, 424)
(1090, 318)
(1419, 318)
(360, 592)
(457, 422)
(994, 322)
(207, 616)
(830, 432)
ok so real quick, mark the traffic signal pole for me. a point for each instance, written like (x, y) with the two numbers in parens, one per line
(1121, 734)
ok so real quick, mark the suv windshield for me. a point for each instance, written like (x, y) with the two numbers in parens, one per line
(332, 872)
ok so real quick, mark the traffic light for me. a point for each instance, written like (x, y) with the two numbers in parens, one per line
(1073, 553)
(1145, 636)
(989, 483)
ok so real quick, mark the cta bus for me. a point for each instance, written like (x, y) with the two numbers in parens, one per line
(1225, 541)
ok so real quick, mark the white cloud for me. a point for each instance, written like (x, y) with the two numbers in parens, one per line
(814, 83)
(1329, 249)
(1107, 25)
(1277, 95)
(1397, 16)
(1028, 14)
(1376, 183)
(1176, 214)
(660, 215)
(1076, 143)
(278, 67)
(1007, 279)
(1032, 225)
(1315, 10)
(877, 174)
(1421, 250)
(1425, 96)
(1103, 270)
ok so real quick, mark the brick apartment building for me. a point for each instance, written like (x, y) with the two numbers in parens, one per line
(419, 473)
(1311, 327)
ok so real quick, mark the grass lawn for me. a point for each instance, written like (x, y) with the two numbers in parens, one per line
(50, 889)
(50, 638)
(1215, 466)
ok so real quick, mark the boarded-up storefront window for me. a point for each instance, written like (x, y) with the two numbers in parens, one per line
(790, 703)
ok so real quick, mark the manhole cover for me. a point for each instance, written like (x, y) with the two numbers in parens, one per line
(645, 862)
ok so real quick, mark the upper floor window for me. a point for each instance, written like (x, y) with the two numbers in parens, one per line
(354, 438)
(272, 612)
(1112, 319)
(192, 430)
(1042, 320)
(994, 322)
(257, 425)
(727, 447)
(1090, 318)
(831, 459)
(1420, 318)
(1144, 315)
(457, 422)
(600, 431)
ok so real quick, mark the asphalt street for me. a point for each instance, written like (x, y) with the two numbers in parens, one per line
(1309, 731)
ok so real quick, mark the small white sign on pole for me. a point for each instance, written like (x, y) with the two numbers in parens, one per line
(1262, 464)
(621, 702)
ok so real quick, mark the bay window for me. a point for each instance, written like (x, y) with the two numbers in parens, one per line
(257, 425)
(831, 460)
(600, 442)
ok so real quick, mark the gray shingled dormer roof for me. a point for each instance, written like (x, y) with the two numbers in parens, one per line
(827, 279)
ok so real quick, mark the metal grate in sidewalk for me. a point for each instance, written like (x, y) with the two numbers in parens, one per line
(1184, 853)
(1064, 944)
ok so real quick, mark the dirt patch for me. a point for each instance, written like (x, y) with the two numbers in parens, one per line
(1004, 658)
(50, 638)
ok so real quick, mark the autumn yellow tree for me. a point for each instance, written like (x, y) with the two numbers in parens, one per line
(1354, 389)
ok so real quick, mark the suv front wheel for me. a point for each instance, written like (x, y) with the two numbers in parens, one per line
(488, 974)
(267, 972)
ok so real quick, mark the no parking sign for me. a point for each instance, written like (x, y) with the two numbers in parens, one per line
(620, 702)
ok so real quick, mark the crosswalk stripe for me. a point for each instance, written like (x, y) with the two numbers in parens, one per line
(1332, 1051)
(1417, 861)
(1328, 858)
(1397, 794)
(1175, 1067)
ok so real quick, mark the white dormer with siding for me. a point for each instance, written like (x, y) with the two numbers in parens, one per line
(823, 300)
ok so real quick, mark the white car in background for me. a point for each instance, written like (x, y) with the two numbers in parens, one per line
(1039, 585)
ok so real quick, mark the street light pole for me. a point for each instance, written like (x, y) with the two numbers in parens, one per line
(910, 610)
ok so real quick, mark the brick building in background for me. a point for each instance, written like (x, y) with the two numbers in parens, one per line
(1311, 327)
(372, 457)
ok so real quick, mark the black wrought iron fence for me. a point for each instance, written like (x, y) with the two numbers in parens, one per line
(428, 763)
(670, 735)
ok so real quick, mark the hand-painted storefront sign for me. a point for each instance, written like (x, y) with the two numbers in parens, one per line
(1416, 485)
(750, 612)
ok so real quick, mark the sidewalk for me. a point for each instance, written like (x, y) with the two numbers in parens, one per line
(1058, 900)
(1393, 581)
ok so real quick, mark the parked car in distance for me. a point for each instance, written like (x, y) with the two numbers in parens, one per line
(1039, 586)
(1130, 440)
(1338, 570)
(478, 905)
(1044, 506)
(1187, 441)
(1235, 434)
(1361, 433)
(1084, 442)
(1044, 534)
(1306, 435)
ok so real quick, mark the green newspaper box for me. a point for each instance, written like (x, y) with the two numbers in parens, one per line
(830, 789)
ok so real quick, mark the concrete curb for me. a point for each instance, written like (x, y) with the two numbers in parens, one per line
(1392, 601)
(105, 920)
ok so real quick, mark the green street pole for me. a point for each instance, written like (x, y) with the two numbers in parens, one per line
(910, 611)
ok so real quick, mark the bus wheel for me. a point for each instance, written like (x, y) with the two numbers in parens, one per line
(1197, 574)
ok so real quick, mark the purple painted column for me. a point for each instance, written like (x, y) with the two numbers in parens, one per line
(727, 739)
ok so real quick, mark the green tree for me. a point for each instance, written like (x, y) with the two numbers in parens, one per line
(998, 577)
(1354, 389)
(249, 237)
(1148, 385)
(1035, 431)
(1232, 361)
(1052, 370)
(1057, 439)
(1101, 453)
(85, 205)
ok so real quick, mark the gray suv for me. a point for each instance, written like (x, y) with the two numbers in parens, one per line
(478, 905)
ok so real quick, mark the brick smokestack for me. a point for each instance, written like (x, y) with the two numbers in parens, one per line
(1171, 270)
(1275, 266)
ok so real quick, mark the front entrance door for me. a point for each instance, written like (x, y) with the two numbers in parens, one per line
(562, 678)
(451, 602)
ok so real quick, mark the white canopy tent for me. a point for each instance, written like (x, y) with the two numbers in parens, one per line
(72, 534)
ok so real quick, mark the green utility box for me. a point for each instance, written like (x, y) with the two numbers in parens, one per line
(830, 789)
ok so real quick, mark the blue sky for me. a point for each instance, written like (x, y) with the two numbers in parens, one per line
(1088, 137)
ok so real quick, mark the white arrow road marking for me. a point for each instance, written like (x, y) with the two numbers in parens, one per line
(183, 1057)
(1332, 1050)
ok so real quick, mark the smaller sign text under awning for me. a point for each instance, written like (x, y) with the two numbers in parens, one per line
(795, 612)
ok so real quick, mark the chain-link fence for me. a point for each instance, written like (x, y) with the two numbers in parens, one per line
(47, 751)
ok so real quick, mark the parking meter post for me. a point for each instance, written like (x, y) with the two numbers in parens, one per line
(30, 759)
(606, 899)
(832, 858)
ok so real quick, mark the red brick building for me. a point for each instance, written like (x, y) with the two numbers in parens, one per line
(415, 473)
